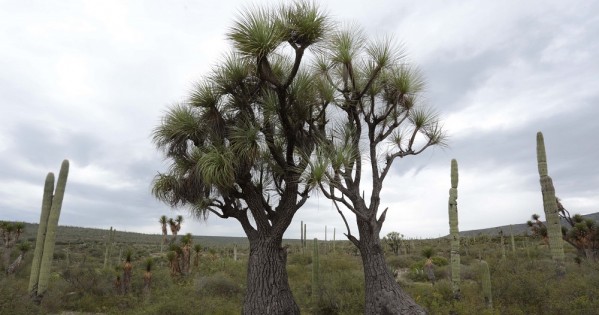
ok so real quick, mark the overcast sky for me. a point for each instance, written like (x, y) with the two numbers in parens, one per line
(89, 80)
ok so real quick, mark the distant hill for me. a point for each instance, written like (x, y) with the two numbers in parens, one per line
(517, 229)
(79, 235)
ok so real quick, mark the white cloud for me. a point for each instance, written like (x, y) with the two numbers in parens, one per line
(95, 175)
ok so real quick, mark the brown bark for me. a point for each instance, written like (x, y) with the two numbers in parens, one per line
(383, 294)
(127, 273)
(147, 282)
(268, 289)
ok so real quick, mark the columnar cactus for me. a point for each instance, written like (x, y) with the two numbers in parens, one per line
(41, 233)
(486, 283)
(315, 272)
(502, 245)
(454, 231)
(302, 236)
(334, 231)
(52, 225)
(51, 206)
(554, 228)
(109, 242)
(512, 240)
(305, 236)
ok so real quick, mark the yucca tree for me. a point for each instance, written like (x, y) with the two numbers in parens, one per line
(579, 232)
(23, 248)
(127, 273)
(163, 221)
(10, 235)
(394, 240)
(174, 259)
(538, 228)
(173, 226)
(148, 275)
(186, 244)
(380, 118)
(240, 144)
(197, 248)
(178, 221)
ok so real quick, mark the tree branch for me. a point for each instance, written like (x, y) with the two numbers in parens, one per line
(299, 53)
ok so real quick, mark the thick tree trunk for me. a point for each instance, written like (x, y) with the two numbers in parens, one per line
(268, 289)
(383, 294)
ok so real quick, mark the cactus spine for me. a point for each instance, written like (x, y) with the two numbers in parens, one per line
(41, 233)
(554, 228)
(315, 272)
(454, 231)
(486, 282)
(40, 285)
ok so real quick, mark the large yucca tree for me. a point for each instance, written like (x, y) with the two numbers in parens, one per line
(379, 118)
(240, 145)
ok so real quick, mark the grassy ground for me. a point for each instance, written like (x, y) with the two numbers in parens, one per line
(524, 282)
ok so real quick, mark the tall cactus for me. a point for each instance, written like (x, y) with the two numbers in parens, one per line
(486, 283)
(109, 242)
(302, 236)
(554, 228)
(305, 236)
(512, 241)
(454, 231)
(315, 272)
(50, 233)
(41, 233)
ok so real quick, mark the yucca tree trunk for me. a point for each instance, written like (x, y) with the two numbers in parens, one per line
(268, 290)
(383, 294)
(127, 275)
(147, 282)
(16, 264)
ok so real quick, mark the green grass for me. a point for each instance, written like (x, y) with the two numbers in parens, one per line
(524, 283)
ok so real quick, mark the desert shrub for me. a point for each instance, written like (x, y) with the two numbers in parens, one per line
(218, 284)
(399, 261)
(14, 298)
(342, 292)
(299, 259)
(469, 272)
(440, 261)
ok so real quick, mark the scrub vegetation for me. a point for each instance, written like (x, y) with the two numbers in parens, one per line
(524, 282)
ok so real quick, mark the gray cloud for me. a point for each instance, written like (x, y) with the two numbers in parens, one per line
(89, 82)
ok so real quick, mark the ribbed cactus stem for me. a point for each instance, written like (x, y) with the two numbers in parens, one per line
(454, 231)
(41, 234)
(502, 247)
(302, 235)
(486, 283)
(315, 272)
(554, 229)
(49, 242)
(512, 240)
(334, 231)
(109, 241)
(305, 236)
